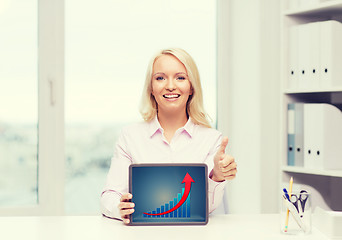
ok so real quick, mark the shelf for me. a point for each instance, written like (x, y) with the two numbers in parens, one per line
(322, 9)
(331, 90)
(331, 173)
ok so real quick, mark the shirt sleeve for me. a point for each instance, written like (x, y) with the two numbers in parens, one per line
(117, 179)
(215, 189)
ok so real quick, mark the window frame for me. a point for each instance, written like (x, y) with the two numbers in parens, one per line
(50, 179)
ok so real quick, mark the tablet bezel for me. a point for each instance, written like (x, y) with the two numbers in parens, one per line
(171, 165)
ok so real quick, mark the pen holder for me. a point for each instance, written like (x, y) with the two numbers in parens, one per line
(295, 215)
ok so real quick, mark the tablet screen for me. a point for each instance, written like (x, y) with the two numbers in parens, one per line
(169, 194)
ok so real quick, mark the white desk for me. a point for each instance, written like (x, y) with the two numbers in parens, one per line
(265, 226)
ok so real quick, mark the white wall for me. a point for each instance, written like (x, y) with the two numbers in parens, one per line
(248, 98)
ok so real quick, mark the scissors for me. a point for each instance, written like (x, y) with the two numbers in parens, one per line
(299, 202)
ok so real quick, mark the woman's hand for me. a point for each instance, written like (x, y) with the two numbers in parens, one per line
(224, 164)
(126, 207)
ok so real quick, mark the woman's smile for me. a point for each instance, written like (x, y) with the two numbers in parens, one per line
(171, 96)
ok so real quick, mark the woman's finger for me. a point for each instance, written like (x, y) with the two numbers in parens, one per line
(228, 168)
(126, 212)
(126, 205)
(126, 197)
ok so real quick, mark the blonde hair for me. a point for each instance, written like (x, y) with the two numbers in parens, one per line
(194, 108)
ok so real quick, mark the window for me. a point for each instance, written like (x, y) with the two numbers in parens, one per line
(18, 103)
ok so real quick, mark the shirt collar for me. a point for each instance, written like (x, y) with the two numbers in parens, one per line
(189, 127)
(155, 127)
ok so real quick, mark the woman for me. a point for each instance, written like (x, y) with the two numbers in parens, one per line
(175, 130)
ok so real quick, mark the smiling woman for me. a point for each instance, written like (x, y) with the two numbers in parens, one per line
(175, 131)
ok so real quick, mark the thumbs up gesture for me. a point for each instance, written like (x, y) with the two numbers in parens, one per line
(224, 164)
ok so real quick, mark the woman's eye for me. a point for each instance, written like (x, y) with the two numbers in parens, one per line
(159, 78)
(181, 78)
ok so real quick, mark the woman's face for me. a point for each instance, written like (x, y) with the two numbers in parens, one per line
(171, 87)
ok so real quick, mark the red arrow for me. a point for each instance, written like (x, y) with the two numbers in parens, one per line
(187, 180)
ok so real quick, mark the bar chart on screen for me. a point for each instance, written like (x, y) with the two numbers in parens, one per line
(169, 194)
(179, 207)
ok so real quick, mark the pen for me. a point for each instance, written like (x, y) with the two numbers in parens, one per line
(286, 194)
(288, 211)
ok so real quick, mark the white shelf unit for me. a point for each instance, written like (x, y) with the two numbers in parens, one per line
(326, 183)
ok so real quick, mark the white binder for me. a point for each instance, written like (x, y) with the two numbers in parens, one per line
(322, 136)
(309, 137)
(331, 54)
(314, 58)
(299, 134)
(304, 56)
(293, 72)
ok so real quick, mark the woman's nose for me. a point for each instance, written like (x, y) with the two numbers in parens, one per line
(170, 85)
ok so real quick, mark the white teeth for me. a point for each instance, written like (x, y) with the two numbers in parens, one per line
(171, 96)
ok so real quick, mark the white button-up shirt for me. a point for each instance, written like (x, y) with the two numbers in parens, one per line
(145, 143)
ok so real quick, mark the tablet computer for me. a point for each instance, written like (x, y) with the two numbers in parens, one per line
(169, 194)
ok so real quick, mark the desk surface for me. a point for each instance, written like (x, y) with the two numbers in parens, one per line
(263, 226)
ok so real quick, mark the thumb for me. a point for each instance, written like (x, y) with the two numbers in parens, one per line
(223, 146)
